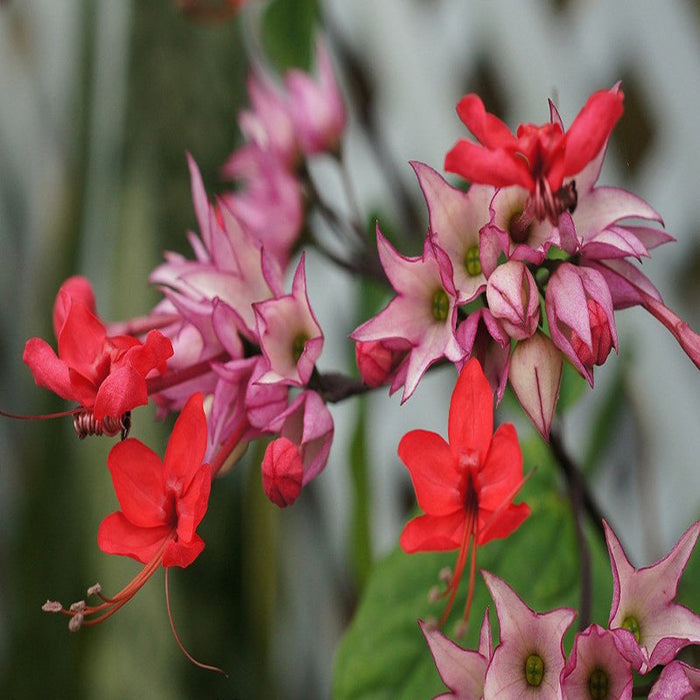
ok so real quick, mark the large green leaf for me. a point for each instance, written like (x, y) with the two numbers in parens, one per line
(383, 654)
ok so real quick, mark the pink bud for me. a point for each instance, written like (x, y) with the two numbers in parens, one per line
(513, 298)
(535, 375)
(282, 472)
(601, 337)
(580, 314)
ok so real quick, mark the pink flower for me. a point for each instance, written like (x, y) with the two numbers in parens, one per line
(316, 108)
(290, 338)
(423, 314)
(462, 670)
(530, 658)
(596, 667)
(269, 124)
(104, 374)
(270, 204)
(456, 219)
(514, 299)
(650, 626)
(539, 158)
(677, 681)
(580, 315)
(230, 267)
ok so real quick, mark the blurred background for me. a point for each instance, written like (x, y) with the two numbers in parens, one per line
(99, 102)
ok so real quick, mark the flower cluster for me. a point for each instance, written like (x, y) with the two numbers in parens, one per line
(519, 272)
(228, 348)
(524, 269)
(646, 629)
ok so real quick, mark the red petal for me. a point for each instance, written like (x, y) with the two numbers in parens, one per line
(502, 472)
(486, 127)
(428, 533)
(590, 130)
(470, 424)
(48, 370)
(432, 465)
(74, 288)
(193, 505)
(187, 445)
(81, 342)
(182, 553)
(121, 391)
(137, 475)
(153, 354)
(503, 524)
(118, 536)
(499, 168)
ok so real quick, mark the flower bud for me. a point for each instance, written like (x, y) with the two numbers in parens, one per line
(580, 314)
(376, 361)
(282, 472)
(513, 299)
(535, 375)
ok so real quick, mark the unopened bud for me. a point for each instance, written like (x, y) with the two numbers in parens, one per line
(282, 472)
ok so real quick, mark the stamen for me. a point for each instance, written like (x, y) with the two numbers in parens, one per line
(86, 424)
(86, 615)
(190, 658)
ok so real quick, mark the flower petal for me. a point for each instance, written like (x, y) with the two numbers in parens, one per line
(470, 423)
(432, 466)
(137, 475)
(117, 535)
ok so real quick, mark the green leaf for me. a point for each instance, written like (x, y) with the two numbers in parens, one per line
(383, 654)
(288, 31)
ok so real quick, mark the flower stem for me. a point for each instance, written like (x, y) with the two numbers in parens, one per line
(581, 502)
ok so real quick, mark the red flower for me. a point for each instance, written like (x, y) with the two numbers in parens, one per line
(538, 158)
(162, 502)
(106, 375)
(466, 487)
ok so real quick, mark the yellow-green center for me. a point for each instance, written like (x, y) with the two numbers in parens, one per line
(441, 305)
(298, 345)
(630, 623)
(598, 684)
(534, 670)
(472, 262)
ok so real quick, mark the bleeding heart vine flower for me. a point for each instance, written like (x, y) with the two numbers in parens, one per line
(422, 315)
(162, 503)
(105, 374)
(465, 486)
(650, 626)
(530, 657)
(596, 667)
(462, 670)
(537, 158)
